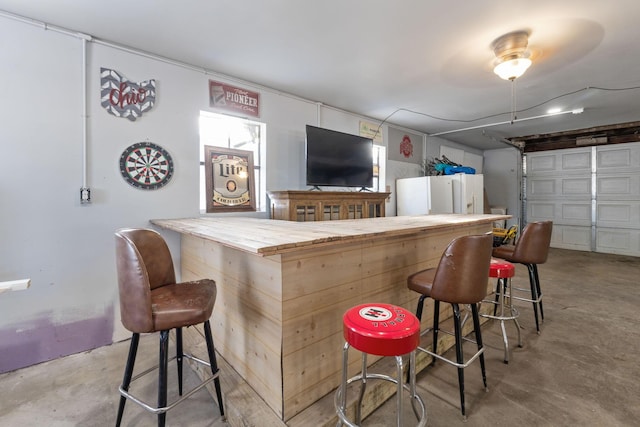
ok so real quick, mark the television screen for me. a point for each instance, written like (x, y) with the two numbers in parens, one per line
(338, 159)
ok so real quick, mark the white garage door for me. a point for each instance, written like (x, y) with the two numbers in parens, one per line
(591, 194)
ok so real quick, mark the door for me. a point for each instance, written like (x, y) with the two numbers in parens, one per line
(591, 194)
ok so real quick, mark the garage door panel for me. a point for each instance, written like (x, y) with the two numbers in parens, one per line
(620, 187)
(578, 161)
(616, 241)
(544, 187)
(571, 237)
(619, 158)
(560, 212)
(618, 214)
(571, 161)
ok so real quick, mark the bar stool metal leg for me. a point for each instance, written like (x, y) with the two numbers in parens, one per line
(476, 327)
(179, 356)
(162, 377)
(513, 314)
(342, 390)
(363, 388)
(128, 372)
(459, 359)
(539, 291)
(214, 366)
(499, 291)
(436, 328)
(399, 393)
(534, 295)
(412, 387)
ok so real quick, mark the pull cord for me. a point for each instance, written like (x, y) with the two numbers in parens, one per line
(513, 100)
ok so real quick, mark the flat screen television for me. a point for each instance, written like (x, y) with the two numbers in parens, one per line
(338, 159)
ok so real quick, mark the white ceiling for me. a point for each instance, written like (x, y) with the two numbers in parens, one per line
(409, 61)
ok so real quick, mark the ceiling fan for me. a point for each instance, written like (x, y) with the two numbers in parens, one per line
(512, 55)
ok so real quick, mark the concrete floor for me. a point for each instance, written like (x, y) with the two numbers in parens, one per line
(581, 370)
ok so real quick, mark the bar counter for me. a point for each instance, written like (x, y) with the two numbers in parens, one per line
(283, 287)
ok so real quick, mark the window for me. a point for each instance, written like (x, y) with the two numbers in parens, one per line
(220, 130)
(379, 168)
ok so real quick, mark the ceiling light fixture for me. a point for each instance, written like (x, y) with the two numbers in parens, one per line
(512, 60)
(512, 57)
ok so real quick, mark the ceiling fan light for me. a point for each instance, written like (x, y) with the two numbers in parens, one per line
(512, 68)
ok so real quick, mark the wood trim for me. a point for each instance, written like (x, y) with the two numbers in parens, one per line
(616, 134)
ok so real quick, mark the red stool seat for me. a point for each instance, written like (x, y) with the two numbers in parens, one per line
(381, 329)
(501, 269)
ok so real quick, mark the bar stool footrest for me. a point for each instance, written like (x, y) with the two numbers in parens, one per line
(422, 416)
(451, 362)
(156, 410)
(515, 313)
(537, 300)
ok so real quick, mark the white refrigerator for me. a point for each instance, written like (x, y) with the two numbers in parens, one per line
(468, 194)
(459, 193)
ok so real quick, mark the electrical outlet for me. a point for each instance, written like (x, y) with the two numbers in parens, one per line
(85, 195)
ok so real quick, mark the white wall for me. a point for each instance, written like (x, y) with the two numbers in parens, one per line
(66, 248)
(503, 180)
(45, 234)
(434, 143)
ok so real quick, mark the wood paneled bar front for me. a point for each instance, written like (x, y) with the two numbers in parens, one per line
(283, 287)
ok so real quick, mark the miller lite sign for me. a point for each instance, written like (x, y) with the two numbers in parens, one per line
(229, 178)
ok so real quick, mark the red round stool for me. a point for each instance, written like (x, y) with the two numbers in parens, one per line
(382, 330)
(503, 271)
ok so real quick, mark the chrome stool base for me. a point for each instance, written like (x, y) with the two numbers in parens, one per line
(340, 399)
(504, 301)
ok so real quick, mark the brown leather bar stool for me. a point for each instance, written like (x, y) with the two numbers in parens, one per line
(530, 249)
(460, 278)
(152, 301)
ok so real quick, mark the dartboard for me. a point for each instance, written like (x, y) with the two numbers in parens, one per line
(146, 165)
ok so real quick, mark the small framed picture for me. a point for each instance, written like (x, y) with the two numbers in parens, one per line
(229, 180)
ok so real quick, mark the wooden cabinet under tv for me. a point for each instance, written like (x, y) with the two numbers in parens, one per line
(326, 205)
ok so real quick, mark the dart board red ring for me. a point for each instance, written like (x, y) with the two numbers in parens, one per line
(146, 165)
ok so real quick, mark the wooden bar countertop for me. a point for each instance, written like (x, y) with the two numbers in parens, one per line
(270, 237)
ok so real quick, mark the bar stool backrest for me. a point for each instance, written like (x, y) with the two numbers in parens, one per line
(462, 274)
(143, 263)
(532, 247)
